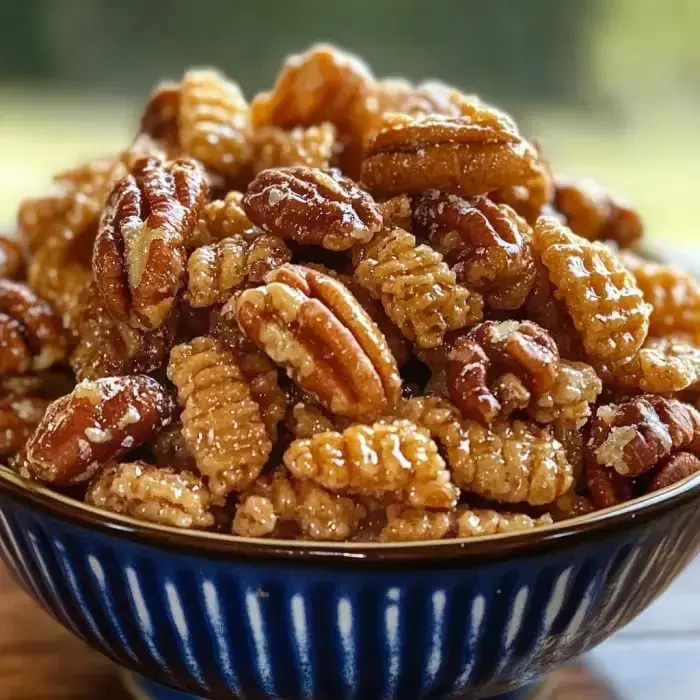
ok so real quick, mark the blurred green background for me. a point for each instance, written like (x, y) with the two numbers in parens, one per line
(610, 88)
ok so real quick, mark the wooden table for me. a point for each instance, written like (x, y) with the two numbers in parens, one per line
(655, 658)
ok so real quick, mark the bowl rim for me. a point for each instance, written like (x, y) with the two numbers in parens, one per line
(591, 526)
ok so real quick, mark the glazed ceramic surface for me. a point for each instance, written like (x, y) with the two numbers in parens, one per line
(250, 620)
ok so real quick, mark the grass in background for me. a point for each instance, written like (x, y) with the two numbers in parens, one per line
(654, 160)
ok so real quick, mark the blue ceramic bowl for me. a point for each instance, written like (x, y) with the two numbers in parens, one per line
(225, 618)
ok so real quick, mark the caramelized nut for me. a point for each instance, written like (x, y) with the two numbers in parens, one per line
(221, 422)
(311, 325)
(154, 494)
(487, 245)
(602, 298)
(418, 290)
(395, 457)
(313, 207)
(97, 422)
(31, 336)
(462, 155)
(140, 254)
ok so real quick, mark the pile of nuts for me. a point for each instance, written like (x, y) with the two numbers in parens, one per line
(353, 309)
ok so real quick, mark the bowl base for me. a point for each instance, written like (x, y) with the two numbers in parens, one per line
(140, 688)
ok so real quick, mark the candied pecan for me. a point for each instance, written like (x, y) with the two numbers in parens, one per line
(510, 462)
(221, 422)
(221, 218)
(170, 449)
(488, 245)
(321, 85)
(276, 148)
(313, 207)
(664, 366)
(97, 422)
(159, 119)
(279, 498)
(216, 271)
(513, 463)
(418, 290)
(139, 256)
(107, 347)
(674, 295)
(11, 259)
(394, 457)
(576, 387)
(407, 523)
(675, 468)
(311, 324)
(606, 487)
(491, 350)
(31, 336)
(632, 437)
(19, 416)
(154, 494)
(397, 212)
(214, 121)
(601, 297)
(257, 368)
(476, 522)
(466, 155)
(595, 214)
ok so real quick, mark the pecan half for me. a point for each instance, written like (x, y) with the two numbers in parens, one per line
(97, 422)
(214, 121)
(595, 214)
(276, 148)
(311, 324)
(675, 468)
(417, 289)
(221, 422)
(664, 366)
(321, 85)
(487, 245)
(491, 350)
(140, 251)
(602, 298)
(154, 494)
(511, 462)
(216, 271)
(633, 437)
(674, 295)
(395, 457)
(452, 154)
(31, 335)
(606, 487)
(312, 206)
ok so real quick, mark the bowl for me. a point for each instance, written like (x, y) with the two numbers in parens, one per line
(218, 617)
